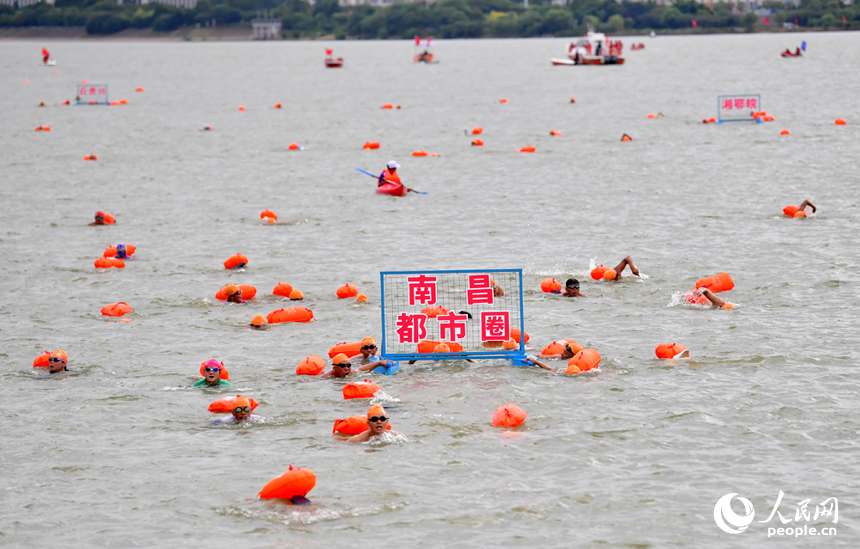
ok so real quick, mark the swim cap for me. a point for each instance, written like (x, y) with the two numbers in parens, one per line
(231, 289)
(241, 401)
(609, 274)
(361, 298)
(340, 359)
(258, 320)
(61, 355)
(212, 362)
(442, 348)
(295, 295)
(100, 214)
(375, 410)
(368, 341)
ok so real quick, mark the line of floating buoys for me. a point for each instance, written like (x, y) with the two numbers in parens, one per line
(527, 149)
(310, 366)
(111, 251)
(550, 286)
(435, 310)
(353, 425)
(295, 147)
(277, 105)
(42, 361)
(248, 291)
(840, 122)
(428, 346)
(241, 108)
(225, 405)
(222, 371)
(290, 314)
(360, 389)
(477, 142)
(296, 482)
(361, 298)
(116, 309)
(509, 415)
(347, 290)
(91, 157)
(268, 214)
(138, 89)
(388, 106)
(555, 132)
(477, 130)
(556, 348)
(108, 262)
(720, 282)
(669, 350)
(348, 349)
(236, 261)
(283, 289)
(296, 295)
(258, 321)
(784, 132)
(207, 128)
(503, 100)
(371, 145)
(515, 335)
(584, 360)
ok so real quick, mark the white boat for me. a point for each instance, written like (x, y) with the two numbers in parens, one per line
(593, 49)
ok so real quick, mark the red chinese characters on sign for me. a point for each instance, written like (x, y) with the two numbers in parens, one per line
(411, 328)
(422, 289)
(495, 326)
(739, 103)
(480, 290)
(83, 90)
(727, 104)
(453, 324)
(752, 104)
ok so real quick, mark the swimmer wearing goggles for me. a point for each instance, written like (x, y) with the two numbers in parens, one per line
(212, 370)
(571, 289)
(57, 364)
(342, 367)
(377, 421)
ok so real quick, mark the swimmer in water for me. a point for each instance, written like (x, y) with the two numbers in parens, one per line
(621, 266)
(571, 288)
(258, 323)
(212, 375)
(378, 422)
(241, 413)
(57, 362)
(626, 137)
(121, 252)
(566, 354)
(804, 204)
(100, 219)
(233, 293)
(342, 367)
(716, 301)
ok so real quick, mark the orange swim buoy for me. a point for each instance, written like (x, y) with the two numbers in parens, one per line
(349, 349)
(477, 143)
(116, 309)
(91, 157)
(241, 108)
(65, 102)
(123, 101)
(268, 213)
(515, 335)
(277, 105)
(420, 153)
(840, 122)
(360, 389)
(361, 298)
(290, 314)
(784, 132)
(712, 120)
(652, 115)
(435, 310)
(295, 482)
(310, 366)
(428, 345)
(556, 348)
(283, 289)
(248, 292)
(296, 295)
(236, 261)
(509, 415)
(527, 149)
(669, 350)
(222, 372)
(109, 219)
(626, 137)
(550, 286)
(790, 210)
(720, 282)
(597, 272)
(108, 262)
(347, 290)
(555, 132)
(138, 89)
(111, 251)
(503, 100)
(573, 100)
(225, 405)
(388, 106)
(799, 213)
(294, 147)
(610, 274)
(477, 130)
(371, 145)
(583, 361)
(353, 425)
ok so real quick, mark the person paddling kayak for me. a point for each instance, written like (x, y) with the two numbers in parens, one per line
(389, 181)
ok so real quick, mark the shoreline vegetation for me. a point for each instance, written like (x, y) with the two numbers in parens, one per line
(326, 20)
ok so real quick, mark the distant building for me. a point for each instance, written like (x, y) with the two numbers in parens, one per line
(24, 3)
(266, 28)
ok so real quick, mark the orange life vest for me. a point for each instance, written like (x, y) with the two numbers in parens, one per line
(393, 177)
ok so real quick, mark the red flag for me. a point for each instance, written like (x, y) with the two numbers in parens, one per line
(694, 23)
(46, 53)
(766, 22)
(844, 20)
(328, 51)
(417, 40)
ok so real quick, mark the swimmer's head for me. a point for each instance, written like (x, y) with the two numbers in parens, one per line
(375, 410)
(376, 419)
(241, 408)
(368, 347)
(609, 274)
(100, 215)
(341, 367)
(212, 371)
(121, 251)
(296, 295)
(231, 289)
(441, 348)
(57, 361)
(572, 284)
(258, 322)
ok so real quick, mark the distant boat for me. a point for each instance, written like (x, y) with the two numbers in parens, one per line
(653, 34)
(331, 62)
(593, 49)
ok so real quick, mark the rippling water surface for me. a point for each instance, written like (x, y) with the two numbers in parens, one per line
(635, 455)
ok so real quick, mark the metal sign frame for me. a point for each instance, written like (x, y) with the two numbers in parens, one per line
(720, 109)
(79, 101)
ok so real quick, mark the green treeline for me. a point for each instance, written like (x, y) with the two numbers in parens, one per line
(445, 19)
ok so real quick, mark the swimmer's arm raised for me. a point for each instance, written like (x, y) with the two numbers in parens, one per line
(711, 297)
(804, 204)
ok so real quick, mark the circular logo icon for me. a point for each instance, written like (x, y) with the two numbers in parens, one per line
(726, 519)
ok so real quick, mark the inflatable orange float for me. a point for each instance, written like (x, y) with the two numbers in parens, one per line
(556, 348)
(268, 213)
(583, 361)
(370, 145)
(92, 157)
(294, 147)
(477, 143)
(283, 289)
(361, 298)
(597, 272)
(652, 115)
(277, 105)
(360, 389)
(477, 130)
(43, 360)
(225, 405)
(509, 415)
(435, 310)
(111, 251)
(236, 261)
(556, 133)
(790, 210)
(138, 89)
(349, 349)
(108, 262)
(222, 372)
(515, 335)
(310, 366)
(669, 350)
(353, 425)
(503, 100)
(388, 106)
(290, 314)
(720, 282)
(428, 345)
(347, 290)
(420, 153)
(116, 309)
(784, 132)
(550, 286)
(241, 108)
(840, 122)
(248, 292)
(527, 149)
(295, 483)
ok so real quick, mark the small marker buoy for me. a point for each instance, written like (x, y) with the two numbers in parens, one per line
(477, 130)
(509, 415)
(784, 132)
(573, 100)
(652, 115)
(138, 89)
(388, 106)
(527, 149)
(347, 290)
(712, 120)
(371, 145)
(550, 286)
(840, 122)
(477, 143)
(46, 128)
(420, 153)
(503, 100)
(123, 101)
(241, 108)
(277, 105)
(85, 81)
(236, 261)
(269, 214)
(669, 350)
(555, 132)
(294, 147)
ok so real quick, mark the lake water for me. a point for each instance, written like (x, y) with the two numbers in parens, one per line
(633, 455)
